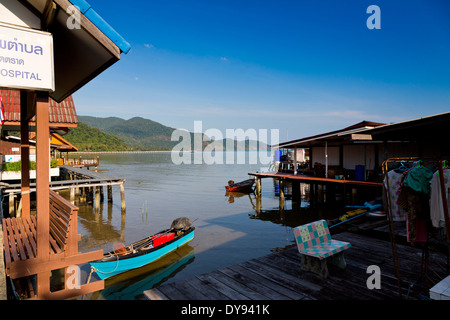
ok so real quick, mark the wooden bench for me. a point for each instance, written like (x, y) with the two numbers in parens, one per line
(317, 248)
(20, 246)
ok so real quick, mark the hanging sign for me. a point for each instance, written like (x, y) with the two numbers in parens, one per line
(26, 59)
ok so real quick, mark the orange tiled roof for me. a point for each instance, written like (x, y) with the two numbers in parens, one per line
(59, 113)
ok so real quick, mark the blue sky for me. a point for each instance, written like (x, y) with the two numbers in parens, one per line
(303, 67)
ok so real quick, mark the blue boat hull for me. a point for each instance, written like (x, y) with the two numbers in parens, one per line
(106, 269)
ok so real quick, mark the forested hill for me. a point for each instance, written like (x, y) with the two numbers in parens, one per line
(86, 138)
(138, 133)
(116, 134)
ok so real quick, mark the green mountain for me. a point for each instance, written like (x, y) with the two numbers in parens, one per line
(116, 134)
(86, 138)
(138, 133)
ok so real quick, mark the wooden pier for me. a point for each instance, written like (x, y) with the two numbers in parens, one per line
(277, 276)
(89, 184)
(311, 179)
(320, 189)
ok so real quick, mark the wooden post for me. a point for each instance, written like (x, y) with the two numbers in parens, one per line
(281, 194)
(19, 209)
(90, 195)
(122, 196)
(258, 204)
(75, 177)
(72, 195)
(24, 154)
(295, 161)
(97, 198)
(110, 198)
(42, 189)
(258, 186)
(11, 203)
(83, 194)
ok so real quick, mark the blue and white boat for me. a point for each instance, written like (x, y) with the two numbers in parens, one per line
(142, 252)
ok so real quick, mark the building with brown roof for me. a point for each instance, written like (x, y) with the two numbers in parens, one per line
(62, 116)
(366, 145)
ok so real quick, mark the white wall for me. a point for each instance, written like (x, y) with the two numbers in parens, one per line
(318, 155)
(354, 155)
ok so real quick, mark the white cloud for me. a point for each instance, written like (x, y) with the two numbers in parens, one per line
(149, 46)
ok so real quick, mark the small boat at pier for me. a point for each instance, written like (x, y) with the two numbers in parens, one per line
(243, 186)
(145, 251)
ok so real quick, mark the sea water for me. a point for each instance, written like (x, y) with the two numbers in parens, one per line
(229, 228)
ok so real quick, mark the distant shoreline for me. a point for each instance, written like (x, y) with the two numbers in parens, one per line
(107, 152)
(154, 151)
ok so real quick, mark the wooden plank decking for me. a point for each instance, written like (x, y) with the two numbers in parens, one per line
(278, 276)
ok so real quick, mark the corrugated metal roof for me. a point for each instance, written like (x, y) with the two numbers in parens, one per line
(99, 22)
(60, 113)
(363, 125)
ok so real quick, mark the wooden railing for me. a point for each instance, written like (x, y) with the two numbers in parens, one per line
(79, 162)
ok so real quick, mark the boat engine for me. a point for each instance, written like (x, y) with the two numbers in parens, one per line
(181, 223)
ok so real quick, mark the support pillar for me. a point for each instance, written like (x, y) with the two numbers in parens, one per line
(122, 196)
(90, 194)
(281, 199)
(72, 195)
(295, 161)
(97, 198)
(110, 198)
(258, 204)
(12, 207)
(42, 189)
(25, 152)
(258, 186)
(83, 194)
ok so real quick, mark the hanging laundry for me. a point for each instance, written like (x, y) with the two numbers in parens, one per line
(414, 198)
(395, 180)
(436, 204)
(418, 179)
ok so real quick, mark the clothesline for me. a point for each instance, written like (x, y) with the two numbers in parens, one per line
(417, 189)
(417, 192)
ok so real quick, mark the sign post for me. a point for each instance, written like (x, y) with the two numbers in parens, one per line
(26, 63)
(26, 59)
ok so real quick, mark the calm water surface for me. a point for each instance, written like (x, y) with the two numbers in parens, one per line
(228, 228)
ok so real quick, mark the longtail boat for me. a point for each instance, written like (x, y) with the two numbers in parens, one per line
(145, 251)
(243, 186)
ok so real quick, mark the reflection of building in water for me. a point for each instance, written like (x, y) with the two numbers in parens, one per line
(289, 189)
(99, 229)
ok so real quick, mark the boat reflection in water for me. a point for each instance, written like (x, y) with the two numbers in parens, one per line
(232, 195)
(130, 285)
(243, 186)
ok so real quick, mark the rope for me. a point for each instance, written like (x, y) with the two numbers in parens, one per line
(89, 278)
(96, 270)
